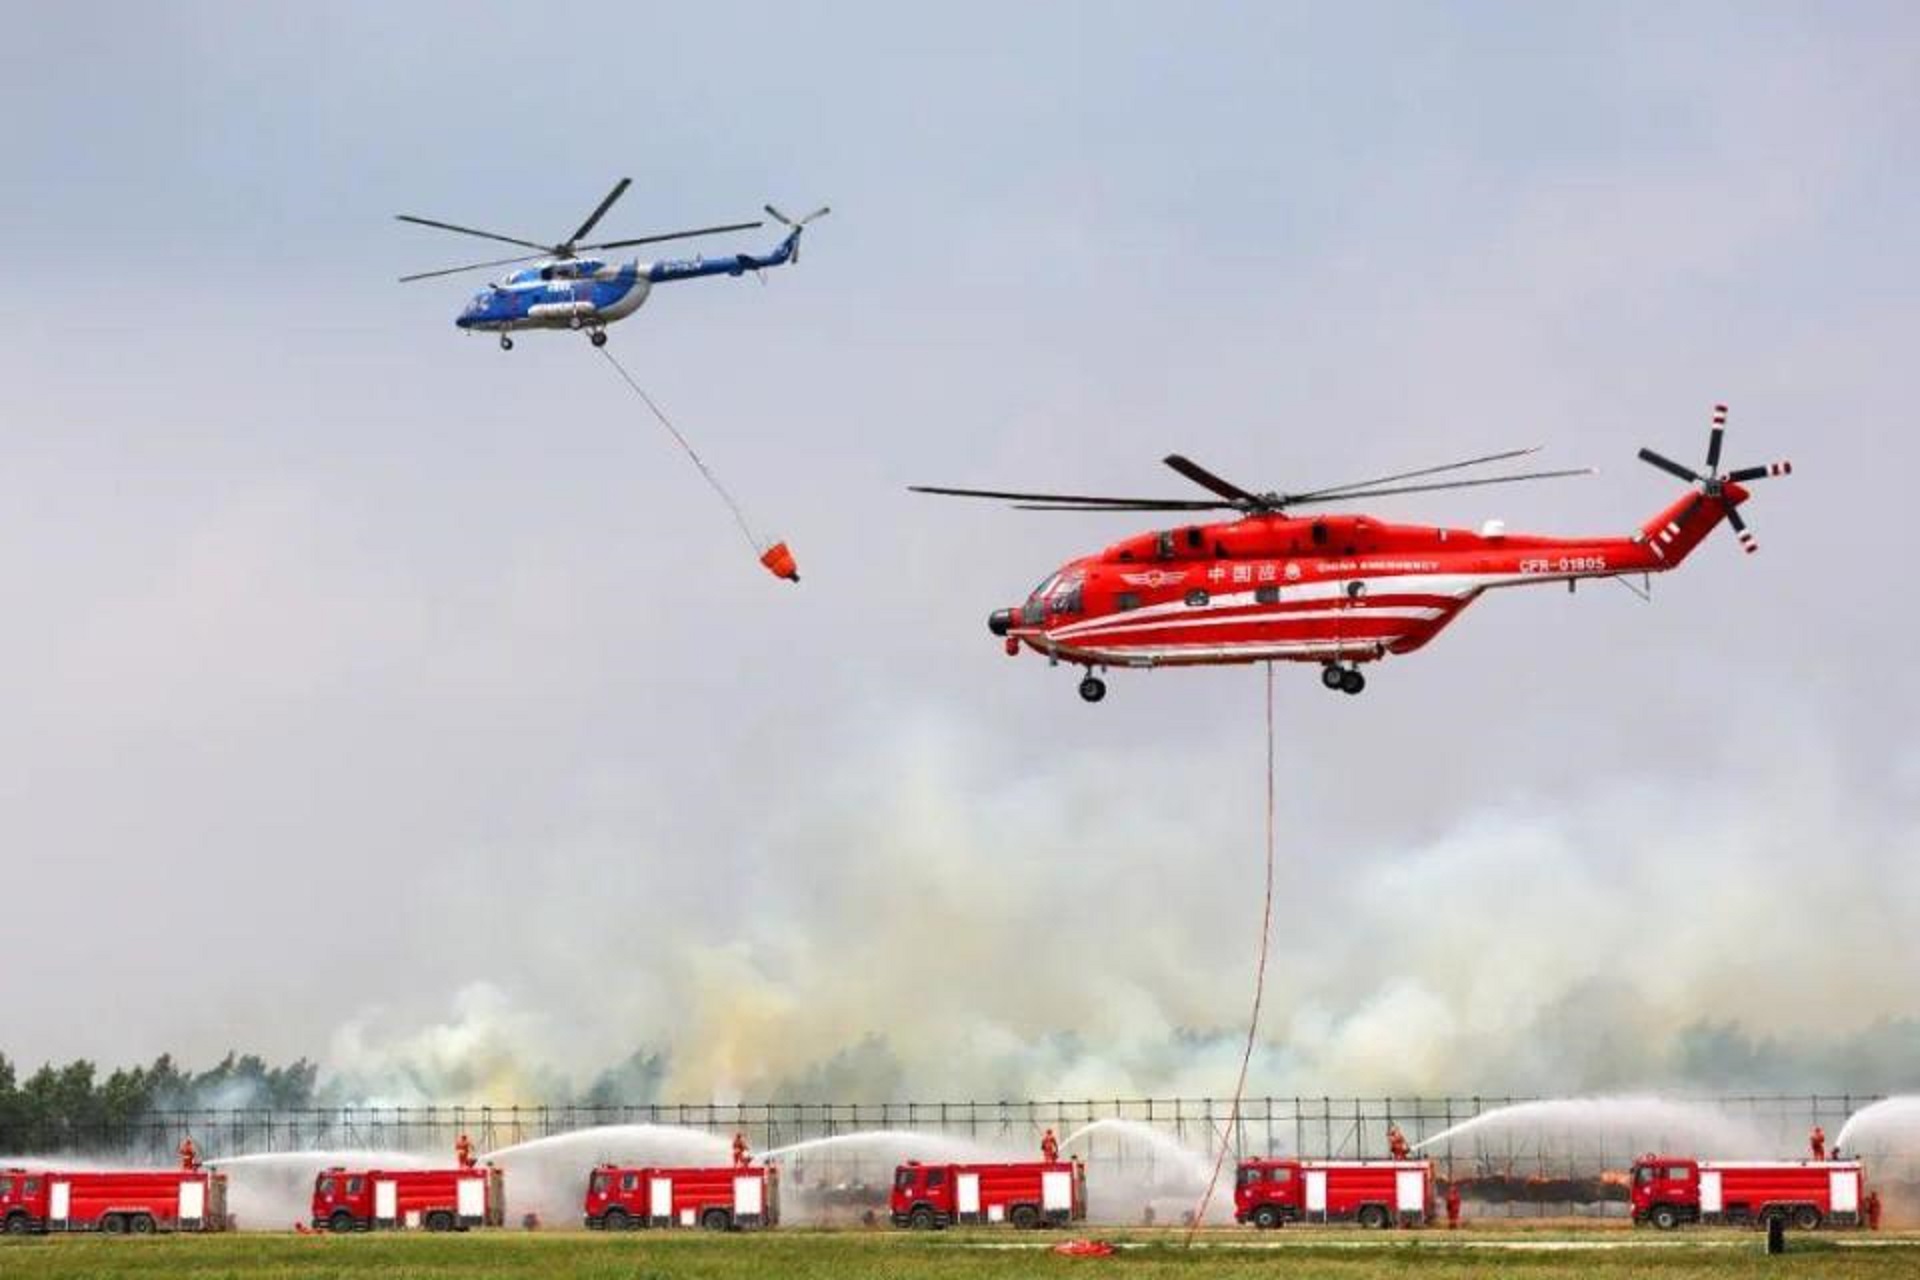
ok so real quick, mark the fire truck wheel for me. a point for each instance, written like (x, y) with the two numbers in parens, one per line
(922, 1219)
(440, 1221)
(1024, 1216)
(616, 1220)
(1093, 688)
(1351, 681)
(17, 1225)
(1332, 676)
(1373, 1217)
(141, 1224)
(1664, 1217)
(1806, 1218)
(716, 1220)
(340, 1222)
(113, 1224)
(1266, 1217)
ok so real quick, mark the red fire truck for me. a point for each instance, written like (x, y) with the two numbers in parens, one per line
(731, 1197)
(140, 1201)
(437, 1199)
(1032, 1194)
(1671, 1190)
(1373, 1193)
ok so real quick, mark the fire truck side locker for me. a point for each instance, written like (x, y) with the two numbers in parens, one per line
(1056, 1194)
(1410, 1195)
(660, 1202)
(966, 1197)
(470, 1201)
(1315, 1205)
(1712, 1205)
(193, 1203)
(1844, 1189)
(60, 1205)
(748, 1199)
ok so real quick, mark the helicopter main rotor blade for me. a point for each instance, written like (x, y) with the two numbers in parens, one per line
(672, 235)
(1445, 484)
(1209, 481)
(469, 231)
(619, 189)
(1409, 475)
(1084, 507)
(471, 266)
(1071, 500)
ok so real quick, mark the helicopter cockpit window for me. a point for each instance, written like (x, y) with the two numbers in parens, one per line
(1034, 612)
(1066, 597)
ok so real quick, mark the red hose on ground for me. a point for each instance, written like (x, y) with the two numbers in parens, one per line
(1259, 991)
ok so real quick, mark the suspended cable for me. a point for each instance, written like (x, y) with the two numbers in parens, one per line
(1259, 992)
(777, 559)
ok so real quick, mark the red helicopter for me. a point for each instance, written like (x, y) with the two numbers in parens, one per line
(1339, 590)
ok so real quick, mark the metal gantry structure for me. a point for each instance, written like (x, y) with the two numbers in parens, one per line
(1530, 1167)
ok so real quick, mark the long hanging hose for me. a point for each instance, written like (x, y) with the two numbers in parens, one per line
(739, 516)
(1259, 991)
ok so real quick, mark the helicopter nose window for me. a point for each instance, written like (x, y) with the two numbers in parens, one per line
(1066, 598)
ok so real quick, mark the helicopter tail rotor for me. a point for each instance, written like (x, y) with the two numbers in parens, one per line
(797, 224)
(1712, 483)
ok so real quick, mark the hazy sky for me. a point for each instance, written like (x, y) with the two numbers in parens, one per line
(376, 695)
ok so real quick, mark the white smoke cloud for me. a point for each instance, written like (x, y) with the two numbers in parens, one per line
(929, 926)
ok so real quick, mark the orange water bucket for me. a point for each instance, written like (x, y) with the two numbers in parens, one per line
(780, 563)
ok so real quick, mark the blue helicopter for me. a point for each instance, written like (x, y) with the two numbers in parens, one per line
(563, 290)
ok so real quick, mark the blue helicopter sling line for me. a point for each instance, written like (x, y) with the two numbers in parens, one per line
(563, 290)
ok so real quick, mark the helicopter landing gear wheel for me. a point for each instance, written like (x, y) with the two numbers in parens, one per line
(1332, 677)
(1351, 681)
(506, 343)
(598, 337)
(1093, 688)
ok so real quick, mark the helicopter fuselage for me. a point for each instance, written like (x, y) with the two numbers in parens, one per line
(586, 293)
(1334, 589)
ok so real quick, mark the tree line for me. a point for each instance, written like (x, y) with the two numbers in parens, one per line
(73, 1107)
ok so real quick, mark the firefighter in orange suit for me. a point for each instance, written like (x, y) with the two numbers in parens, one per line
(189, 1154)
(740, 1157)
(463, 1151)
(1817, 1143)
(1453, 1206)
(1049, 1147)
(1396, 1142)
(1873, 1210)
